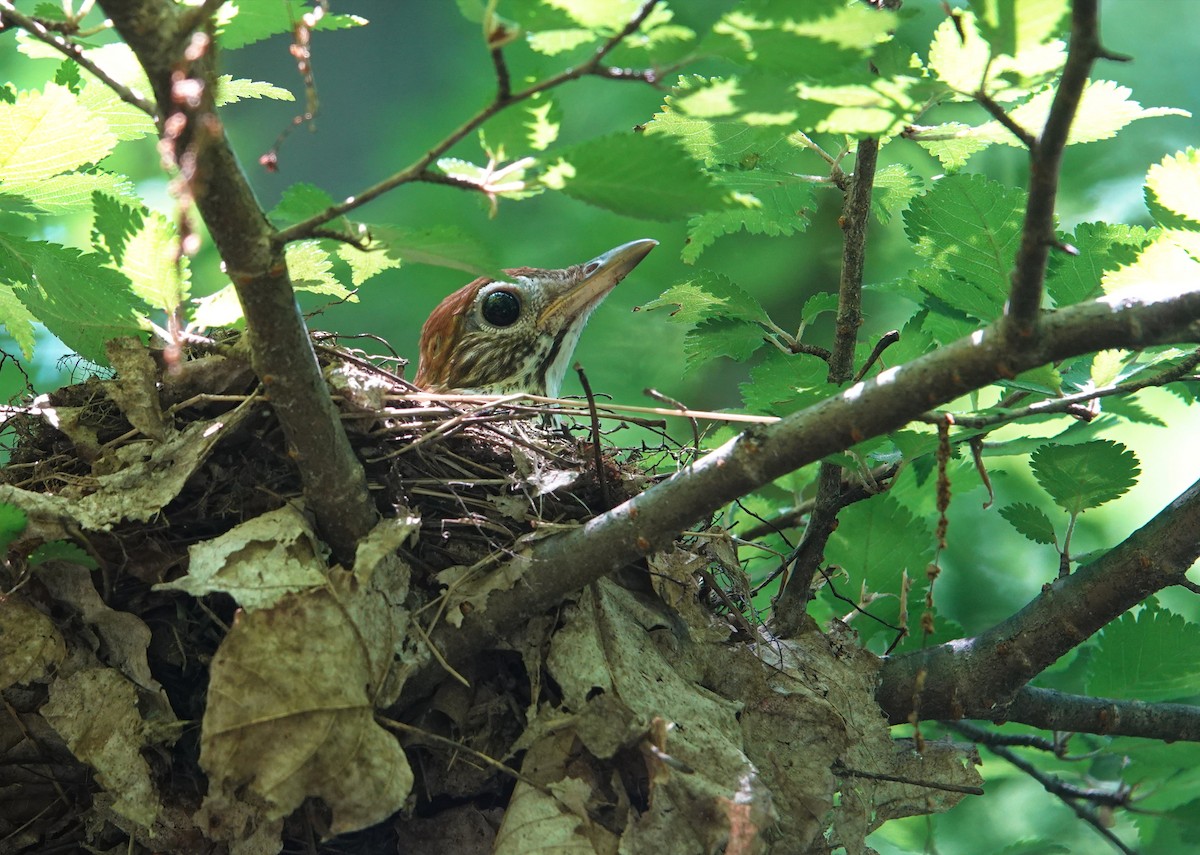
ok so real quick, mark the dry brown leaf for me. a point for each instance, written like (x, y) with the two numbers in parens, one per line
(29, 643)
(96, 713)
(257, 562)
(300, 677)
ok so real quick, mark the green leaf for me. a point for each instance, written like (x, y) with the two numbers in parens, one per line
(364, 265)
(894, 188)
(708, 295)
(219, 309)
(529, 126)
(635, 175)
(17, 319)
(1101, 247)
(968, 228)
(248, 21)
(1087, 475)
(1012, 27)
(299, 202)
(1173, 185)
(875, 542)
(717, 337)
(46, 134)
(12, 524)
(1030, 521)
(784, 383)
(1104, 109)
(149, 261)
(230, 91)
(961, 56)
(114, 224)
(710, 119)
(441, 246)
(311, 269)
(774, 204)
(62, 550)
(1164, 268)
(72, 192)
(1152, 657)
(554, 42)
(79, 299)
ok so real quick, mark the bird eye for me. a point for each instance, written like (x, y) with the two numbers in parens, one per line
(501, 308)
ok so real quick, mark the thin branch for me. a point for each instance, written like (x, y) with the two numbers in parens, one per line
(418, 168)
(886, 340)
(596, 451)
(1070, 795)
(567, 562)
(998, 113)
(9, 16)
(981, 677)
(1045, 161)
(503, 80)
(1070, 403)
(792, 602)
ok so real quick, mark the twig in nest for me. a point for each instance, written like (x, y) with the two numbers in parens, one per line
(591, 402)
(661, 398)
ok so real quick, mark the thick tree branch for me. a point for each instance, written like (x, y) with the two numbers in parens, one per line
(1045, 161)
(560, 565)
(418, 170)
(792, 603)
(335, 487)
(980, 677)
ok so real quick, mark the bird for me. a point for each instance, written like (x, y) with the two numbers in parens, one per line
(517, 334)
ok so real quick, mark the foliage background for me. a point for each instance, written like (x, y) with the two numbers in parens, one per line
(391, 89)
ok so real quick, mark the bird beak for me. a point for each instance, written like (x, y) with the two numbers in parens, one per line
(600, 275)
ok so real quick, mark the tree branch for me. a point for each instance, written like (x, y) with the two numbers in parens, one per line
(282, 355)
(792, 603)
(1067, 403)
(1070, 794)
(1052, 710)
(1045, 161)
(980, 677)
(560, 565)
(418, 169)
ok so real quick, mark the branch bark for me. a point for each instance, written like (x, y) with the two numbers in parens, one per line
(335, 487)
(560, 565)
(792, 603)
(980, 677)
(1045, 162)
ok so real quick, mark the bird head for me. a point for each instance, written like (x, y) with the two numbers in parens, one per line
(498, 336)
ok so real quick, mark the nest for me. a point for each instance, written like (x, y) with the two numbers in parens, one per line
(133, 485)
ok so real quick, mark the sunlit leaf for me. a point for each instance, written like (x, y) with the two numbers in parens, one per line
(1100, 247)
(968, 228)
(1173, 185)
(46, 134)
(80, 300)
(245, 22)
(708, 295)
(230, 91)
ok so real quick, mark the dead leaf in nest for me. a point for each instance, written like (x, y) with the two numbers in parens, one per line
(125, 637)
(29, 643)
(621, 668)
(135, 390)
(257, 563)
(536, 473)
(96, 713)
(470, 587)
(363, 390)
(300, 677)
